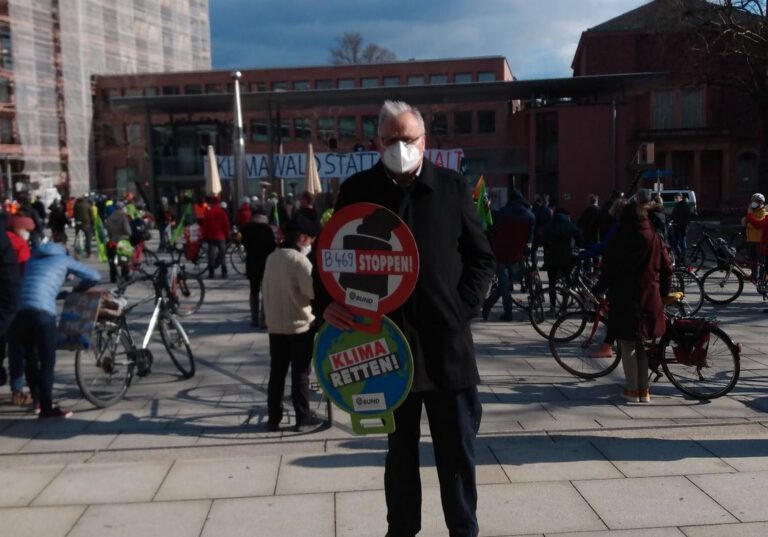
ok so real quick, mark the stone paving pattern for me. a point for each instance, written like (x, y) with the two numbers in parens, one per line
(556, 455)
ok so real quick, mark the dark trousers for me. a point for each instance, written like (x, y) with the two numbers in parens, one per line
(33, 336)
(294, 351)
(255, 284)
(114, 263)
(454, 419)
(216, 251)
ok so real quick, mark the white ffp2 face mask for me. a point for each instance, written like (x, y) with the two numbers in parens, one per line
(24, 234)
(401, 157)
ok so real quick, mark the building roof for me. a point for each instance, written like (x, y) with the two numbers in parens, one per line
(663, 16)
(554, 88)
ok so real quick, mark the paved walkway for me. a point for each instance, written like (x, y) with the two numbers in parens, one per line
(556, 456)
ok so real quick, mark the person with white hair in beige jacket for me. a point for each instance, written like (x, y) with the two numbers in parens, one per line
(287, 294)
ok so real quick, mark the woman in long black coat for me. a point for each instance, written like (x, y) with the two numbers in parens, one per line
(259, 241)
(637, 273)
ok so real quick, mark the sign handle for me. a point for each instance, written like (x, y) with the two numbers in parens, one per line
(371, 325)
(380, 423)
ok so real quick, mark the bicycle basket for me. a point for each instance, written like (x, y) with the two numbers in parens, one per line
(692, 342)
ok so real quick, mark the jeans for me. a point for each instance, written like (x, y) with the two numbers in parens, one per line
(216, 251)
(88, 232)
(294, 351)
(680, 244)
(504, 290)
(32, 339)
(454, 419)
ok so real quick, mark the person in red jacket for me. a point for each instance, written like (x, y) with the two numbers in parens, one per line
(244, 213)
(216, 230)
(19, 229)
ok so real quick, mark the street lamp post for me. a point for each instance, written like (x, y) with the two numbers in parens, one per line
(239, 188)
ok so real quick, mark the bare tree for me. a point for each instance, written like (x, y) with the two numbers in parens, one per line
(350, 49)
(731, 44)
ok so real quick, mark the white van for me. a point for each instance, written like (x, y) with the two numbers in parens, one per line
(668, 198)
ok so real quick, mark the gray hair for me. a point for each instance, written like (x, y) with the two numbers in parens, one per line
(643, 196)
(393, 109)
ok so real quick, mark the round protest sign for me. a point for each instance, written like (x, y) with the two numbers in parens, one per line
(367, 259)
(367, 374)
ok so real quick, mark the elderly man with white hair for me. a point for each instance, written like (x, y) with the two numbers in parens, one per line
(456, 265)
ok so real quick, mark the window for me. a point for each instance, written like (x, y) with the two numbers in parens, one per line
(258, 130)
(370, 126)
(279, 86)
(254, 87)
(302, 129)
(193, 89)
(369, 82)
(462, 122)
(108, 135)
(6, 131)
(439, 124)
(416, 80)
(486, 121)
(230, 87)
(391, 80)
(125, 178)
(170, 90)
(324, 83)
(150, 92)
(133, 133)
(663, 110)
(213, 88)
(5, 90)
(284, 130)
(462, 78)
(6, 58)
(300, 85)
(438, 79)
(325, 129)
(132, 92)
(347, 127)
(691, 108)
(110, 94)
(346, 83)
(486, 76)
(747, 168)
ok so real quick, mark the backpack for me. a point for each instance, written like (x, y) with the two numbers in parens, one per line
(139, 231)
(692, 342)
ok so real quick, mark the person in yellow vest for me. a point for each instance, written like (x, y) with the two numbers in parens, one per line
(754, 234)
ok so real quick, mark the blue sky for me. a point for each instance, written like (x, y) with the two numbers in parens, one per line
(538, 37)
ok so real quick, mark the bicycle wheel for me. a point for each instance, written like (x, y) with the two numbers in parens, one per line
(148, 260)
(188, 294)
(574, 340)
(237, 258)
(177, 345)
(105, 370)
(696, 258)
(693, 294)
(722, 286)
(714, 377)
(543, 313)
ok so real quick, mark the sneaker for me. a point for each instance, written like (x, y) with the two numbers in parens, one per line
(644, 396)
(55, 412)
(485, 312)
(633, 396)
(605, 351)
(310, 422)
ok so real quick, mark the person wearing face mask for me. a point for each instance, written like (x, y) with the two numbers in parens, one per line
(455, 268)
(287, 294)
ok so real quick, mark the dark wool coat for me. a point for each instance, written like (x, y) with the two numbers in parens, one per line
(258, 239)
(456, 266)
(636, 271)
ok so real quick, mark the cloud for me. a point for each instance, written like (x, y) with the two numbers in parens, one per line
(538, 38)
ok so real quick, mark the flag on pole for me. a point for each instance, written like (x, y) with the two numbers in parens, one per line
(100, 234)
(180, 226)
(482, 204)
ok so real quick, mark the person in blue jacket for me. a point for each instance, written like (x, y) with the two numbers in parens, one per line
(34, 332)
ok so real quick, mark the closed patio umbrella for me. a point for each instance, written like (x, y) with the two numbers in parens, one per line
(311, 175)
(212, 180)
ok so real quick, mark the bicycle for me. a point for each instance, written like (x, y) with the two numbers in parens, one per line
(697, 255)
(695, 354)
(236, 252)
(105, 370)
(725, 282)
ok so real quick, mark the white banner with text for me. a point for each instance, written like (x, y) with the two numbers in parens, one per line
(329, 165)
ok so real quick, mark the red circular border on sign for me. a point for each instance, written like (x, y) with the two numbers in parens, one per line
(341, 218)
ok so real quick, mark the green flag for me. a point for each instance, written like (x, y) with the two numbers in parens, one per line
(483, 204)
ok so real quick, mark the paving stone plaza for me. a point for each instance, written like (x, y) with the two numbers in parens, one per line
(556, 455)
